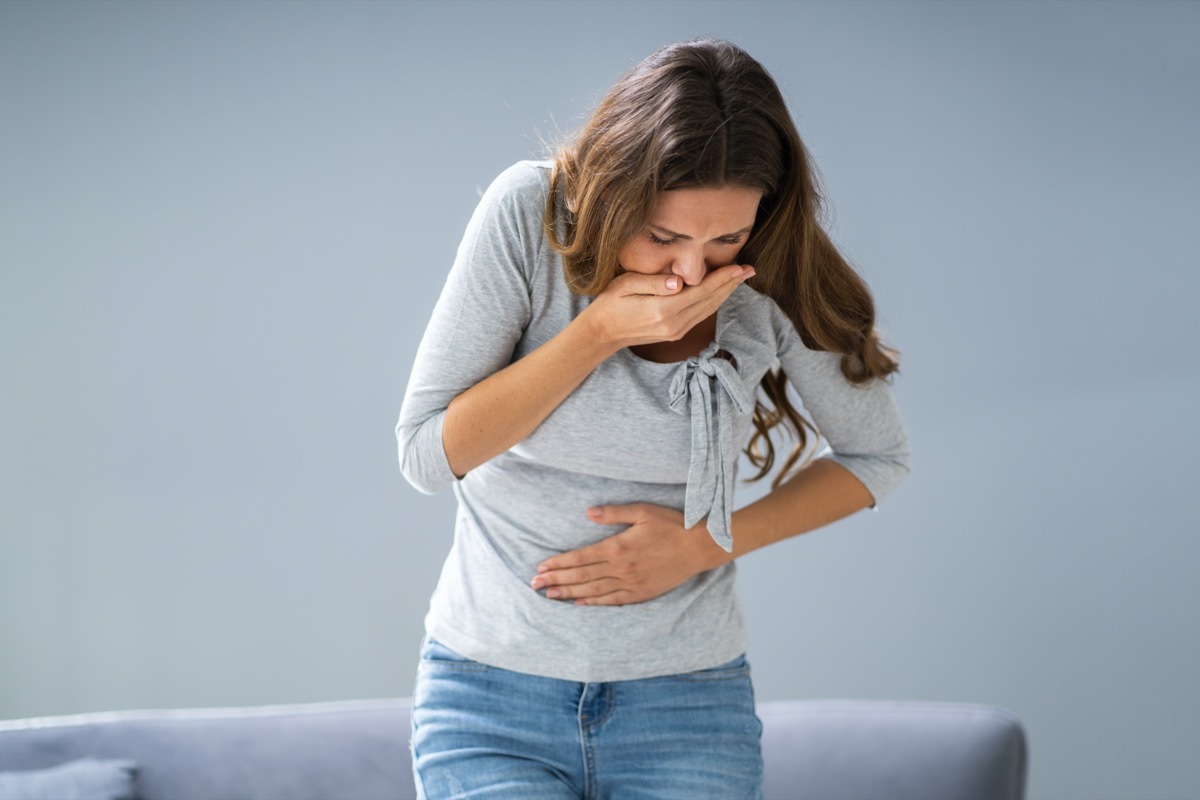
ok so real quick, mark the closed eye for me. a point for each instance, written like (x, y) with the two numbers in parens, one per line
(727, 241)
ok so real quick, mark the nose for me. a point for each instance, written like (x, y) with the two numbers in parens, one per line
(690, 267)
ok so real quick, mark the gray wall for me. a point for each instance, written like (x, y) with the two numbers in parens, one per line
(223, 226)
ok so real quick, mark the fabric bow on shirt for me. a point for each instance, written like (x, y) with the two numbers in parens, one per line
(714, 454)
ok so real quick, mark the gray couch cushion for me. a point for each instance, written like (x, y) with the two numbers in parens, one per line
(864, 750)
(314, 751)
(85, 779)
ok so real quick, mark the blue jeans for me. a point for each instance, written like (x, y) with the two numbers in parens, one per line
(485, 732)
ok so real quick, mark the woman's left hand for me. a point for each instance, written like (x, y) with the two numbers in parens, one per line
(649, 558)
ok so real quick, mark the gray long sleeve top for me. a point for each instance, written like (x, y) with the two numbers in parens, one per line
(634, 431)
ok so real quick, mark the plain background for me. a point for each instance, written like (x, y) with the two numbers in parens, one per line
(223, 227)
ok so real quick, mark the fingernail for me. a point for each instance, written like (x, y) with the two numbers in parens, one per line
(749, 273)
(554, 594)
(542, 568)
(737, 272)
(537, 583)
(672, 283)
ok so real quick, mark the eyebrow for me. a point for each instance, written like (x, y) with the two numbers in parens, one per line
(675, 235)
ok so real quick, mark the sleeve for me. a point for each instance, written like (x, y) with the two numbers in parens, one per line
(860, 423)
(477, 322)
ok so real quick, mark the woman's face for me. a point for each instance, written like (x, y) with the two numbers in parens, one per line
(692, 231)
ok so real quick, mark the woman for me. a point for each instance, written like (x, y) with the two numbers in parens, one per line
(585, 384)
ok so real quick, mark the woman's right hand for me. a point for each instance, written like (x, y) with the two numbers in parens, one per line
(642, 309)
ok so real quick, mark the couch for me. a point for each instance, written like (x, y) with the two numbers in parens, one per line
(357, 750)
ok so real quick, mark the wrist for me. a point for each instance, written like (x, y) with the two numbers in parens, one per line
(591, 337)
(707, 553)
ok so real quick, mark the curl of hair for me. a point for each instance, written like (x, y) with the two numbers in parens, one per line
(698, 114)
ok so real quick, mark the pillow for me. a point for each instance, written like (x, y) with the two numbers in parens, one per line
(85, 779)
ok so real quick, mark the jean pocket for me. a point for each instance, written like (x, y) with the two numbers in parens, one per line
(738, 668)
(435, 655)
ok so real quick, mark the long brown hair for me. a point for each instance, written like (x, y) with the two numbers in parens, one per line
(704, 114)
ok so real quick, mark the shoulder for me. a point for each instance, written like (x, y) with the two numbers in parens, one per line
(513, 206)
(524, 183)
(772, 333)
(760, 312)
(751, 326)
